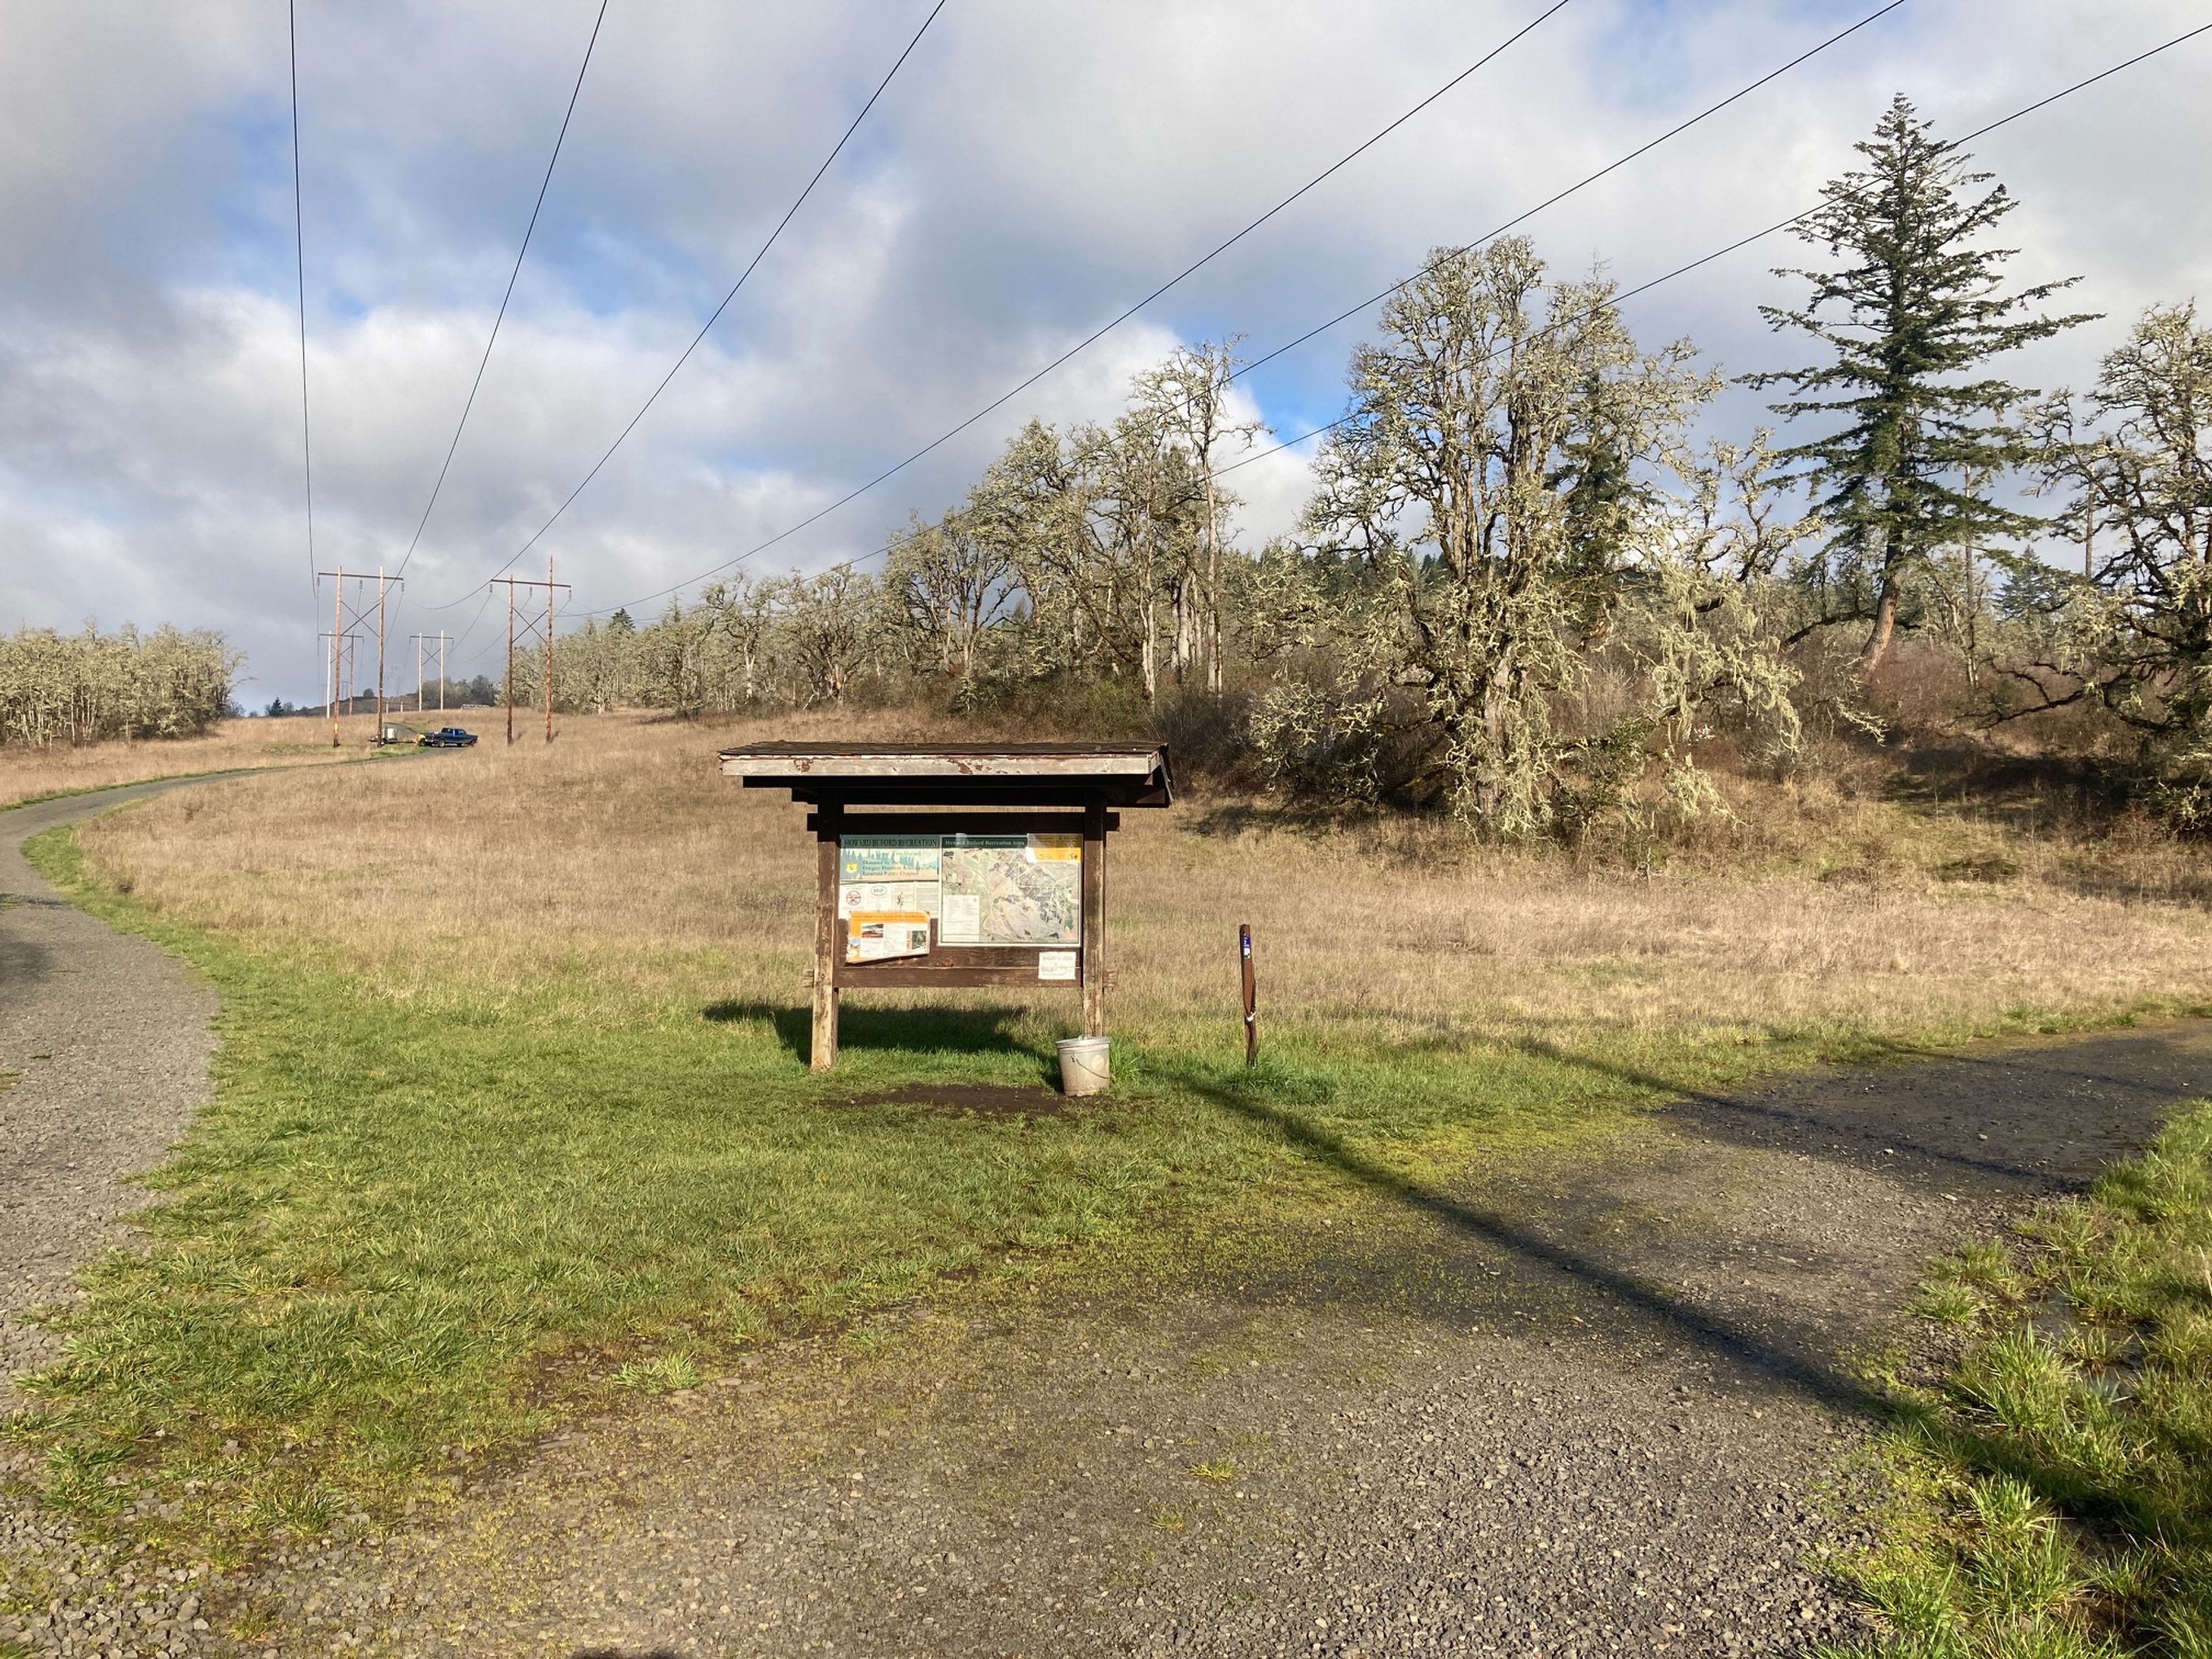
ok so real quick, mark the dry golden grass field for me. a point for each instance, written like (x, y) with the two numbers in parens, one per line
(618, 866)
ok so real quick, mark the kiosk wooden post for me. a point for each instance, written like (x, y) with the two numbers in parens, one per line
(1051, 803)
(829, 941)
(1094, 920)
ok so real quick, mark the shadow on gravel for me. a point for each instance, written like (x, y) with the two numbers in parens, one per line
(2008, 1125)
(625, 1653)
(2003, 1123)
(1735, 1340)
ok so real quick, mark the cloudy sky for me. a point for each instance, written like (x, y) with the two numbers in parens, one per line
(1031, 171)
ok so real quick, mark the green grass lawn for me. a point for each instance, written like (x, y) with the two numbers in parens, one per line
(2052, 1490)
(405, 1238)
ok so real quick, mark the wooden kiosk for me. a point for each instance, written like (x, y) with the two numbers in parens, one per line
(958, 865)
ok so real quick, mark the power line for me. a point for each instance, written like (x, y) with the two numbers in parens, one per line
(1550, 201)
(1779, 226)
(1108, 327)
(789, 214)
(529, 231)
(2068, 92)
(299, 268)
(1611, 167)
(1630, 294)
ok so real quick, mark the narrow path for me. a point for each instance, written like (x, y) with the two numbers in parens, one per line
(104, 1047)
(1593, 1408)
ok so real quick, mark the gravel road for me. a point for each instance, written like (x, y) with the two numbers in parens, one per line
(104, 1047)
(107, 1041)
(1585, 1407)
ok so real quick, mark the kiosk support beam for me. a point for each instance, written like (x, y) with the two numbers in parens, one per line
(827, 947)
(1094, 920)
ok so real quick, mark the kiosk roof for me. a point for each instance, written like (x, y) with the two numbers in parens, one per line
(958, 774)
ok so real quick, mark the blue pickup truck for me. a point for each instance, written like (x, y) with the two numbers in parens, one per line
(447, 736)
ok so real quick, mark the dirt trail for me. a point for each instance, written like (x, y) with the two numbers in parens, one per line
(1589, 1408)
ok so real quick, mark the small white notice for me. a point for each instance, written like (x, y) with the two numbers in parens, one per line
(1058, 965)
(964, 918)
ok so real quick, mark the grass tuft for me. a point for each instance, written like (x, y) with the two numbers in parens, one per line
(663, 1374)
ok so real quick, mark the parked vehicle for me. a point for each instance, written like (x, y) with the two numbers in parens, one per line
(447, 736)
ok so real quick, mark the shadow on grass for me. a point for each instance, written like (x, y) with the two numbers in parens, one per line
(908, 1030)
(1738, 1341)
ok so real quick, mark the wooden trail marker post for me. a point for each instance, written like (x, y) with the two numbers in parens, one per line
(967, 864)
(1251, 998)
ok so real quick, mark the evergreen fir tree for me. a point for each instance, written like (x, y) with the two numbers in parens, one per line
(1915, 310)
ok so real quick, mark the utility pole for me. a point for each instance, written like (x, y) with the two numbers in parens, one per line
(422, 641)
(380, 653)
(549, 648)
(349, 612)
(542, 627)
(506, 680)
(337, 673)
(338, 633)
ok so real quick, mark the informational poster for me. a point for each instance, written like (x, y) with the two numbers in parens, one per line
(887, 894)
(1012, 889)
(986, 891)
(876, 936)
(889, 857)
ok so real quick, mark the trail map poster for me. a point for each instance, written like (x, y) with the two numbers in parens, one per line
(980, 889)
(1012, 889)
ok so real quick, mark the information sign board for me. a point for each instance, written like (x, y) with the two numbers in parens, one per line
(981, 890)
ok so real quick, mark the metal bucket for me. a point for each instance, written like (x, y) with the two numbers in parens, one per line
(1082, 1069)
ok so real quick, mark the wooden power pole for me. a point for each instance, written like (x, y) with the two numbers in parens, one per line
(423, 641)
(352, 610)
(540, 628)
(338, 633)
(338, 671)
(380, 653)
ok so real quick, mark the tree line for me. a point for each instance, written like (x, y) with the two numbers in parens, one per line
(1522, 590)
(81, 688)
